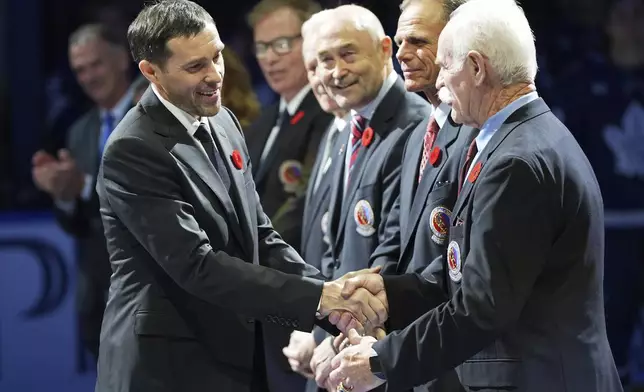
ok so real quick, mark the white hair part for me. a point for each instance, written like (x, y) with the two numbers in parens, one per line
(499, 30)
(309, 30)
(361, 19)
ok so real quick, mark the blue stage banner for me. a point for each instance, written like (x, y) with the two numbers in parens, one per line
(38, 334)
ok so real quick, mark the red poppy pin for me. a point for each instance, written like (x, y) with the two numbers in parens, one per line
(237, 159)
(367, 136)
(474, 174)
(297, 117)
(435, 156)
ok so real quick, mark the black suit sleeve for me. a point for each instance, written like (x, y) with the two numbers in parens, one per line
(75, 222)
(511, 235)
(388, 251)
(142, 188)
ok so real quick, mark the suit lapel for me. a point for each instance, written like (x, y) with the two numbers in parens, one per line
(223, 143)
(524, 113)
(259, 135)
(292, 132)
(311, 196)
(185, 149)
(336, 189)
(446, 137)
(381, 126)
(409, 175)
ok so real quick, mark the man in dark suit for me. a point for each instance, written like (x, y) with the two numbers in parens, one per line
(302, 345)
(417, 227)
(100, 59)
(198, 268)
(284, 140)
(525, 255)
(355, 65)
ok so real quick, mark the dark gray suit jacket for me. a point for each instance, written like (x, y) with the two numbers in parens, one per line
(194, 268)
(525, 262)
(315, 241)
(375, 181)
(417, 227)
(84, 222)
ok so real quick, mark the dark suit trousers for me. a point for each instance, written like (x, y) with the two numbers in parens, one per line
(260, 382)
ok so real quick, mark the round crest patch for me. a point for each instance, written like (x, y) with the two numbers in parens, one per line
(454, 261)
(439, 222)
(324, 222)
(364, 217)
(290, 172)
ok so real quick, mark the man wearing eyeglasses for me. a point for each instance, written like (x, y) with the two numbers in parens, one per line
(283, 144)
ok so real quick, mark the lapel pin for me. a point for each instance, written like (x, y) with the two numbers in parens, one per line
(341, 150)
(474, 174)
(367, 136)
(297, 117)
(237, 159)
(435, 156)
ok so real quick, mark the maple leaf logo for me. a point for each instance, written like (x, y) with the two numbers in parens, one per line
(627, 142)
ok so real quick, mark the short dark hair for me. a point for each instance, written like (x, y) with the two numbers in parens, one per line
(158, 23)
(449, 6)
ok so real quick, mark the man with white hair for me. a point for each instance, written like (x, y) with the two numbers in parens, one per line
(525, 253)
(355, 65)
(306, 348)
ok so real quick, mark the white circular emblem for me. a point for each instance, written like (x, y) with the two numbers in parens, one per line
(290, 173)
(454, 261)
(364, 217)
(324, 222)
(439, 222)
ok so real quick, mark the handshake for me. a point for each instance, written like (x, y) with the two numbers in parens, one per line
(355, 301)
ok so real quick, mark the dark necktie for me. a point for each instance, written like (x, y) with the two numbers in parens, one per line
(357, 127)
(208, 143)
(428, 143)
(471, 153)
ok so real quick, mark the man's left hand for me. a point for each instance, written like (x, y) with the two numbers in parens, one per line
(351, 366)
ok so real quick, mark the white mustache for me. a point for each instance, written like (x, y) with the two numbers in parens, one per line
(445, 96)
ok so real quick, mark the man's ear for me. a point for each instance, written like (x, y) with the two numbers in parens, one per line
(150, 71)
(477, 67)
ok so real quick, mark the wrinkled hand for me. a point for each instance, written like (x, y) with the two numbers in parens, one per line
(351, 365)
(360, 311)
(341, 342)
(321, 362)
(369, 281)
(299, 351)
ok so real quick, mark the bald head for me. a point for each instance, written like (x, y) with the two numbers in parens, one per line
(353, 53)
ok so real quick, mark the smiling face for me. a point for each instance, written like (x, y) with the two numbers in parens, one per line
(278, 48)
(324, 99)
(352, 65)
(192, 76)
(456, 83)
(419, 27)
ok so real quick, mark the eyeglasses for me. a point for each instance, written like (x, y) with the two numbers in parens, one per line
(280, 45)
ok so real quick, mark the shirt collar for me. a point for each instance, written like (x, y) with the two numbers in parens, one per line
(294, 103)
(340, 122)
(368, 110)
(190, 122)
(493, 123)
(122, 106)
(441, 113)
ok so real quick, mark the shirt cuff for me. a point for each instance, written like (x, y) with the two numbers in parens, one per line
(86, 192)
(68, 207)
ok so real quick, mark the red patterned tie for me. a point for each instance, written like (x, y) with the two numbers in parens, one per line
(471, 153)
(357, 127)
(428, 143)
